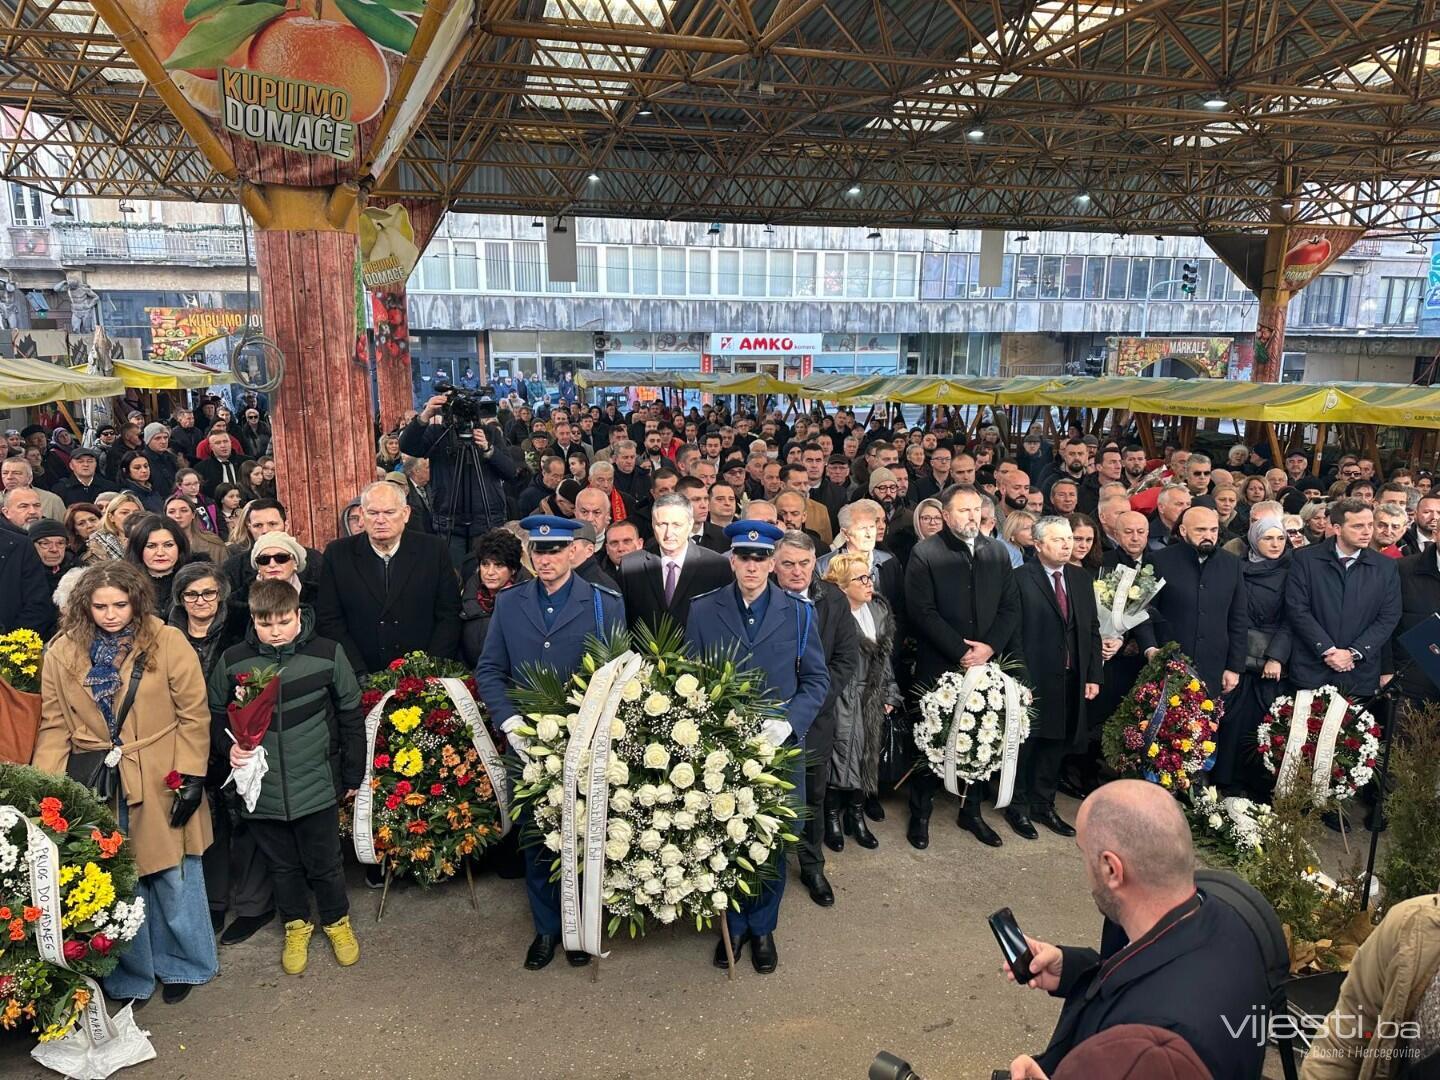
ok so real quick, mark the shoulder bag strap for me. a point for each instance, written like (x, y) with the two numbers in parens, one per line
(135, 675)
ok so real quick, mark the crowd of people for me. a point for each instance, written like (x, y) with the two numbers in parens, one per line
(160, 549)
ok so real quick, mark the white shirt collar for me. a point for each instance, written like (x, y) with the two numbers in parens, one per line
(392, 552)
(678, 559)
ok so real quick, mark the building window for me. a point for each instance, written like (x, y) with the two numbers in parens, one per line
(1119, 279)
(672, 271)
(1007, 279)
(497, 266)
(1139, 279)
(857, 279)
(587, 258)
(752, 277)
(1073, 285)
(617, 271)
(529, 267)
(1322, 302)
(466, 265)
(1402, 301)
(1027, 282)
(834, 282)
(955, 277)
(436, 266)
(1159, 274)
(646, 279)
(905, 282)
(883, 265)
(27, 206)
(1050, 270)
(700, 272)
(805, 273)
(727, 273)
(1094, 277)
(932, 279)
(782, 270)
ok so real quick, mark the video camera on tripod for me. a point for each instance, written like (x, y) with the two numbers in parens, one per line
(465, 410)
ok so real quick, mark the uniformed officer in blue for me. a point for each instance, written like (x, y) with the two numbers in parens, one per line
(543, 621)
(776, 633)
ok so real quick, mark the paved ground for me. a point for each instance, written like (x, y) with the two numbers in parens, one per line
(904, 961)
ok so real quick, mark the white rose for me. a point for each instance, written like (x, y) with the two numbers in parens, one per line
(718, 862)
(638, 898)
(751, 769)
(764, 751)
(674, 876)
(632, 690)
(646, 794)
(683, 775)
(622, 800)
(737, 830)
(714, 781)
(552, 841)
(695, 801)
(718, 901)
(705, 882)
(532, 772)
(703, 847)
(1215, 821)
(653, 887)
(684, 820)
(731, 720)
(722, 806)
(656, 704)
(686, 685)
(645, 869)
(555, 796)
(716, 760)
(553, 765)
(650, 841)
(617, 728)
(615, 850)
(759, 853)
(656, 756)
(666, 913)
(670, 855)
(546, 729)
(665, 794)
(617, 772)
(661, 820)
(685, 733)
(620, 829)
(745, 802)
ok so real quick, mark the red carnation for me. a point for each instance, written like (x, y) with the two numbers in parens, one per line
(397, 663)
(243, 678)
(370, 698)
(403, 788)
(382, 761)
(462, 779)
(1369, 762)
(437, 789)
(75, 950)
(392, 802)
(101, 944)
(173, 780)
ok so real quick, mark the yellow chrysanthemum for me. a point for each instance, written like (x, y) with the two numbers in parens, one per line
(1193, 685)
(1207, 705)
(1208, 746)
(404, 720)
(1174, 699)
(408, 762)
(1154, 750)
(1165, 779)
(1185, 745)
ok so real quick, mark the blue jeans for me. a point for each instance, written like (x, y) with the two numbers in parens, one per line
(176, 943)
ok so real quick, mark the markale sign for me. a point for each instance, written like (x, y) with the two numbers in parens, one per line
(763, 344)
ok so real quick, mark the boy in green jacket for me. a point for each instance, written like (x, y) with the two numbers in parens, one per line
(296, 822)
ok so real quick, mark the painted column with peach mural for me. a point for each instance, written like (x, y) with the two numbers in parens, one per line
(304, 105)
(1294, 257)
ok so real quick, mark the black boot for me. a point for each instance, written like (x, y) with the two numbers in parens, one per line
(855, 823)
(971, 821)
(918, 832)
(834, 828)
(874, 808)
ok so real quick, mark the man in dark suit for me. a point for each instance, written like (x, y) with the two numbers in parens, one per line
(223, 466)
(1344, 603)
(961, 602)
(1422, 535)
(388, 591)
(1202, 606)
(24, 585)
(703, 534)
(1132, 534)
(1419, 600)
(663, 582)
(1170, 956)
(1170, 507)
(1064, 658)
(840, 637)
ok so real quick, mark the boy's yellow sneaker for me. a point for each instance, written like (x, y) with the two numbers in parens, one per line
(342, 940)
(297, 946)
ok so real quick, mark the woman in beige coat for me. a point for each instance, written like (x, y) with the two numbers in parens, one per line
(107, 631)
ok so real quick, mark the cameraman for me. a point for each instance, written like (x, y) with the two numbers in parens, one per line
(468, 471)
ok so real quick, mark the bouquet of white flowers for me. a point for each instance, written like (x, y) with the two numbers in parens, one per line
(651, 781)
(1122, 596)
(1231, 826)
(972, 723)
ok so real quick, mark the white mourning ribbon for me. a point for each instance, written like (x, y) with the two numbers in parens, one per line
(363, 828)
(1010, 743)
(43, 858)
(1290, 763)
(581, 914)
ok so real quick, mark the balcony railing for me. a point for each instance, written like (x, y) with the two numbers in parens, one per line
(211, 245)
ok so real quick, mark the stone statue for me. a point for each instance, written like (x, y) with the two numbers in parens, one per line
(84, 304)
(10, 301)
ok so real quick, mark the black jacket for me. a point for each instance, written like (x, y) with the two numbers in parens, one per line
(1198, 968)
(1202, 607)
(1047, 641)
(71, 491)
(478, 499)
(951, 596)
(163, 467)
(1329, 606)
(420, 609)
(213, 473)
(1419, 600)
(1265, 601)
(711, 538)
(642, 584)
(24, 586)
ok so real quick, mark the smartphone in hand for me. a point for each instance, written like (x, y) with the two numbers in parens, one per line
(1012, 944)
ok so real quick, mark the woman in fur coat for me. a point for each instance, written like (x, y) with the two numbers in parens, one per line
(862, 706)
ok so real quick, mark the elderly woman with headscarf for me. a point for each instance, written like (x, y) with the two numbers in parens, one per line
(1237, 768)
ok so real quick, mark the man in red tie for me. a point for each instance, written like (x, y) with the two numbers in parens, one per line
(1064, 657)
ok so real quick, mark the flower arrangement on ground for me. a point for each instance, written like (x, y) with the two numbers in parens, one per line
(429, 797)
(697, 806)
(1229, 827)
(1122, 597)
(20, 652)
(970, 720)
(95, 907)
(1323, 739)
(1164, 731)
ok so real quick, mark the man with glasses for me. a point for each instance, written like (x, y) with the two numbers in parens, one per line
(777, 633)
(1197, 475)
(388, 591)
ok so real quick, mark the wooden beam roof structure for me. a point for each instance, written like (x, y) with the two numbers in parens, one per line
(1161, 116)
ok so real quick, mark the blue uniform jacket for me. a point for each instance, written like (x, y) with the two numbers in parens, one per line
(715, 623)
(518, 636)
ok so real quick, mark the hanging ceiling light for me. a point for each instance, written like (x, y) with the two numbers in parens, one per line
(1022, 239)
(853, 190)
(1215, 103)
(874, 234)
(538, 223)
(60, 208)
(1083, 198)
(769, 229)
(126, 208)
(714, 229)
(976, 132)
(594, 178)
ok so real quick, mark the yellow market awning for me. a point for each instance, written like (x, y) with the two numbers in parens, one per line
(25, 382)
(148, 374)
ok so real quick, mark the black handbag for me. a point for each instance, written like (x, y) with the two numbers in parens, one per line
(1256, 642)
(88, 766)
(897, 750)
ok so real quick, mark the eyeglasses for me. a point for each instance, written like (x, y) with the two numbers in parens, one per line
(862, 579)
(280, 558)
(1294, 532)
(209, 596)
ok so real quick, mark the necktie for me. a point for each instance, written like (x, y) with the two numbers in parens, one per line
(1061, 597)
(1348, 561)
(670, 572)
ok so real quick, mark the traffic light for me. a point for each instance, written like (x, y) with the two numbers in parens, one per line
(1189, 274)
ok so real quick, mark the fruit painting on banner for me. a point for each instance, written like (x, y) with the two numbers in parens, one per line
(295, 88)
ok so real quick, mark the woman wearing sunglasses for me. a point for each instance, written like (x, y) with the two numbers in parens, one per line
(278, 556)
